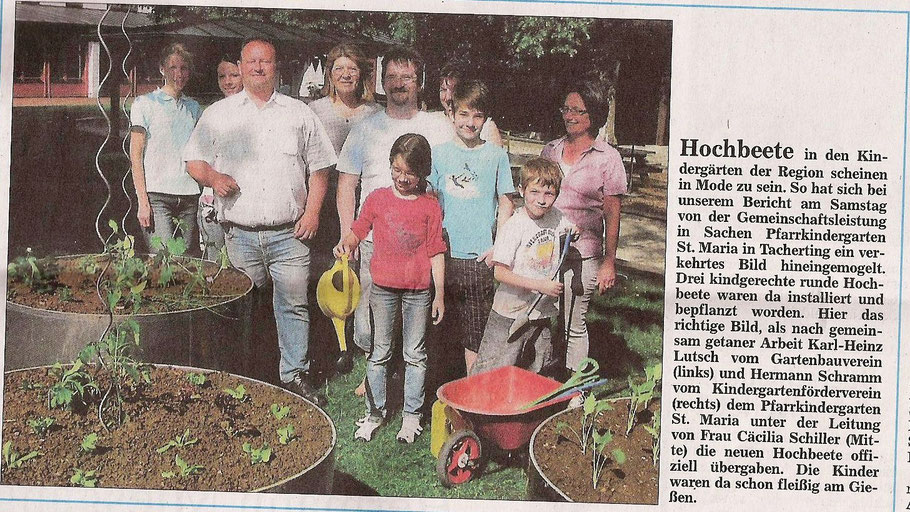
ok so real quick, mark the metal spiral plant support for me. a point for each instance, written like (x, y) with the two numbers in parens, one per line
(124, 142)
(105, 242)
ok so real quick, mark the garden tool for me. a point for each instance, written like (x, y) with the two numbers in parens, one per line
(524, 317)
(584, 377)
(338, 293)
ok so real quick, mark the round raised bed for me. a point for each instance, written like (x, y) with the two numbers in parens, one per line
(558, 471)
(213, 336)
(217, 426)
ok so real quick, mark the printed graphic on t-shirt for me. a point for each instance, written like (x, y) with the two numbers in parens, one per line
(462, 185)
(539, 251)
(407, 240)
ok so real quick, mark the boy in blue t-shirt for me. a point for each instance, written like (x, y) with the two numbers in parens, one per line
(473, 180)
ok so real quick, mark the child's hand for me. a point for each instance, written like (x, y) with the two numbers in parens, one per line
(573, 232)
(550, 288)
(341, 249)
(439, 309)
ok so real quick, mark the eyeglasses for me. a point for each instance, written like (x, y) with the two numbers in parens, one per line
(573, 110)
(406, 79)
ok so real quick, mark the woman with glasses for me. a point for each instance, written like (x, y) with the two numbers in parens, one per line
(593, 182)
(348, 92)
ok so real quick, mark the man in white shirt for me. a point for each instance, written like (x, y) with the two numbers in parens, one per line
(364, 158)
(266, 156)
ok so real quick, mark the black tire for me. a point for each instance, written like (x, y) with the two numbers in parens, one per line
(460, 459)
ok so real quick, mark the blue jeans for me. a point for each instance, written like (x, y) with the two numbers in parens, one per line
(413, 306)
(274, 254)
(166, 209)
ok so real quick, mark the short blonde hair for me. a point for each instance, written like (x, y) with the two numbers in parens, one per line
(542, 171)
(175, 49)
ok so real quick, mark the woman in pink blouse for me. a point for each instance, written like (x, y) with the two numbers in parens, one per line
(593, 182)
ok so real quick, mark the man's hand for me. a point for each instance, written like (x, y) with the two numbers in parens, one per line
(606, 276)
(144, 214)
(306, 226)
(224, 185)
(439, 309)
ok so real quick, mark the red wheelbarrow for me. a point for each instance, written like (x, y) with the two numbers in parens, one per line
(491, 407)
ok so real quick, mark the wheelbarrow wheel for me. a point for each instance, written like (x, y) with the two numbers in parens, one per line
(459, 458)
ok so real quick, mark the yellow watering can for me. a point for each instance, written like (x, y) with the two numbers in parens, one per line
(338, 293)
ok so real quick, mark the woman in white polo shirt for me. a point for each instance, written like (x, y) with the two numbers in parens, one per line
(161, 123)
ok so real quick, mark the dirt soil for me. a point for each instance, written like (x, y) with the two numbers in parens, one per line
(127, 457)
(561, 460)
(76, 292)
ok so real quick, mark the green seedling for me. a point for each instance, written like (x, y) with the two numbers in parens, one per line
(260, 455)
(600, 458)
(13, 459)
(641, 394)
(223, 263)
(28, 385)
(280, 412)
(186, 469)
(65, 293)
(167, 254)
(129, 274)
(83, 478)
(178, 442)
(590, 409)
(73, 383)
(238, 393)
(89, 443)
(286, 434)
(654, 430)
(38, 274)
(41, 425)
(198, 379)
(117, 354)
(197, 279)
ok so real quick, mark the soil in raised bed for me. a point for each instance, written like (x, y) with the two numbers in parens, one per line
(561, 460)
(76, 292)
(127, 456)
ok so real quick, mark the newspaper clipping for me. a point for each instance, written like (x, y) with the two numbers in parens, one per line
(441, 255)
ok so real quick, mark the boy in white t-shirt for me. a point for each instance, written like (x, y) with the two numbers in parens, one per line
(526, 257)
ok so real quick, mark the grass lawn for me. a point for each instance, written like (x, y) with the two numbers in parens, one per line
(626, 326)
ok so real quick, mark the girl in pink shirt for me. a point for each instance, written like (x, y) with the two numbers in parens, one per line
(408, 253)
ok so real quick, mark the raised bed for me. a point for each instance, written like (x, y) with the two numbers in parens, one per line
(558, 471)
(212, 334)
(213, 425)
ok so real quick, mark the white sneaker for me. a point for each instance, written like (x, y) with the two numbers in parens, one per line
(410, 428)
(366, 426)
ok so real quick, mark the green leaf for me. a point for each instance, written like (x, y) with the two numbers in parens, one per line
(176, 246)
(619, 456)
(113, 225)
(138, 288)
(168, 474)
(113, 298)
(589, 404)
